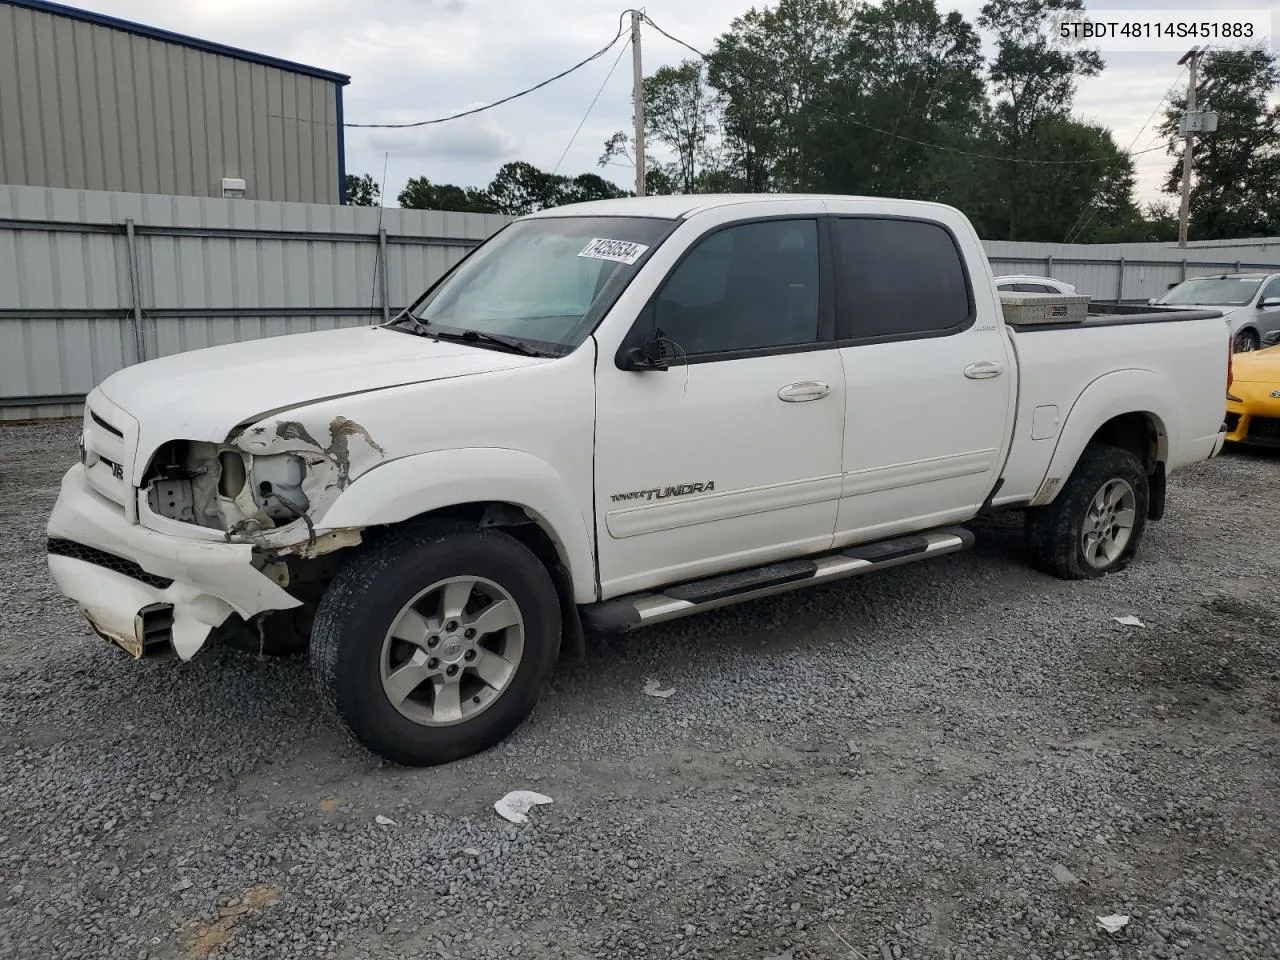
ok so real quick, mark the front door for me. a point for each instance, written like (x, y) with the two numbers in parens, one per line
(731, 457)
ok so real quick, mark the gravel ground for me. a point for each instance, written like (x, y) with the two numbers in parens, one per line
(961, 758)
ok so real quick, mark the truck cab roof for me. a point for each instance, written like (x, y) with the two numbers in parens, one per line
(683, 206)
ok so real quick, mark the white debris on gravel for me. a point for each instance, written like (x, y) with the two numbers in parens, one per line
(1113, 923)
(653, 688)
(1129, 620)
(515, 806)
(994, 728)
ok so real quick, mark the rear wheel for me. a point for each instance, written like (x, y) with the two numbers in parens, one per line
(1096, 523)
(1246, 341)
(435, 643)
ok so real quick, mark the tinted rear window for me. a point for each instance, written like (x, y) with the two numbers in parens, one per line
(899, 278)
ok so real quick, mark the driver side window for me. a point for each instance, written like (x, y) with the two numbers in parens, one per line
(748, 287)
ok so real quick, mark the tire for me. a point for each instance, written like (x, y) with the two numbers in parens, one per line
(1057, 533)
(393, 695)
(1246, 341)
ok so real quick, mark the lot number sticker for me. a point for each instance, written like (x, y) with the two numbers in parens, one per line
(620, 251)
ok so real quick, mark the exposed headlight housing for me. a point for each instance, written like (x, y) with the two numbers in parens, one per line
(277, 485)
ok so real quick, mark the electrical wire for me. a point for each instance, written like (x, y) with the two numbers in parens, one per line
(497, 103)
(888, 133)
(1091, 211)
(590, 107)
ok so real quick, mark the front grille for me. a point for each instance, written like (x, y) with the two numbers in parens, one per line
(1264, 428)
(100, 558)
(106, 426)
(1233, 421)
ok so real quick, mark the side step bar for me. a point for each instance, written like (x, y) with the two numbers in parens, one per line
(640, 609)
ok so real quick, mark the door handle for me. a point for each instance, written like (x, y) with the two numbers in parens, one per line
(804, 390)
(983, 370)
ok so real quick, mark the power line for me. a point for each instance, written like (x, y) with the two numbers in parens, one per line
(497, 103)
(1090, 212)
(888, 133)
(590, 107)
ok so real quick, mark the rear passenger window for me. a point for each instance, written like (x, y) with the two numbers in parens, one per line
(898, 278)
(747, 287)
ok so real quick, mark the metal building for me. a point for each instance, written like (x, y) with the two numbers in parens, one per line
(92, 102)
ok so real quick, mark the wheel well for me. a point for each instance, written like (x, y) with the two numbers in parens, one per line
(515, 521)
(1142, 434)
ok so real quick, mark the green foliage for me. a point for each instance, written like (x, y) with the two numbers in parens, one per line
(362, 191)
(1235, 188)
(421, 194)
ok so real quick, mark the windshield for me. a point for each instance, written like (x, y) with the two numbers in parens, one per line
(1214, 292)
(544, 281)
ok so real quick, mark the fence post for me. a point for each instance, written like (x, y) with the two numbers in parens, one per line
(135, 291)
(1184, 269)
(1237, 266)
(1120, 281)
(382, 280)
(1048, 266)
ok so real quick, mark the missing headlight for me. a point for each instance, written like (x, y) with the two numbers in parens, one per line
(277, 485)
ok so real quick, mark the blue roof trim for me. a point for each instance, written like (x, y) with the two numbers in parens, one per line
(342, 149)
(141, 30)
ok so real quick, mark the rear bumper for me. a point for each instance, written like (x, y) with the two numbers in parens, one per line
(129, 581)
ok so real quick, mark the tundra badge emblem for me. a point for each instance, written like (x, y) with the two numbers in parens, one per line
(1275, 394)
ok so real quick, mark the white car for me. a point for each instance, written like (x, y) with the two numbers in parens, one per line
(610, 415)
(1249, 301)
(1020, 283)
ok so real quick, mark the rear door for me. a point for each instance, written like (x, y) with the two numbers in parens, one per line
(930, 379)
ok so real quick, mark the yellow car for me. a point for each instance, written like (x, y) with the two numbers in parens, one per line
(1253, 398)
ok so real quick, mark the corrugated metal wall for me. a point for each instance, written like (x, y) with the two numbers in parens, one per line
(208, 271)
(1125, 271)
(90, 107)
(211, 271)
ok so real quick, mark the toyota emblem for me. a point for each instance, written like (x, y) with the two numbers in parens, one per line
(1275, 394)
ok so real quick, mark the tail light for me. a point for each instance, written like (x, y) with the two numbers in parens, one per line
(1230, 361)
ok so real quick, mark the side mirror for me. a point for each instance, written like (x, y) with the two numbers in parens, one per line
(1270, 303)
(650, 355)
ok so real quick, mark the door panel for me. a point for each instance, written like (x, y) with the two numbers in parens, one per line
(929, 376)
(732, 456)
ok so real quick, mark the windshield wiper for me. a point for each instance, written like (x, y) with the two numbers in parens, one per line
(509, 344)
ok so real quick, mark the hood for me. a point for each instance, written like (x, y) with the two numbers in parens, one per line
(204, 394)
(1260, 366)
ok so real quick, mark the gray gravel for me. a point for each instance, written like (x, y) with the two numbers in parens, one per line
(957, 759)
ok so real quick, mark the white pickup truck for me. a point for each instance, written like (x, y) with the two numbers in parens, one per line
(610, 415)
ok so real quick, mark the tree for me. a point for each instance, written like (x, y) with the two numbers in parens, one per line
(362, 191)
(1034, 76)
(1235, 170)
(421, 194)
(681, 113)
(589, 186)
(905, 69)
(519, 188)
(769, 66)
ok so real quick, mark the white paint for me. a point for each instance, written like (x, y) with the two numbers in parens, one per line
(897, 439)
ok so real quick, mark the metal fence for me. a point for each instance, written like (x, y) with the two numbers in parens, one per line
(92, 282)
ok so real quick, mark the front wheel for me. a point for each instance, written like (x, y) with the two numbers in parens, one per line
(435, 643)
(1096, 523)
(1246, 341)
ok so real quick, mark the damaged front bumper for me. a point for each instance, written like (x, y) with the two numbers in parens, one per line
(146, 591)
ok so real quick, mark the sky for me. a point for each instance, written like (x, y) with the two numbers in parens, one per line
(419, 59)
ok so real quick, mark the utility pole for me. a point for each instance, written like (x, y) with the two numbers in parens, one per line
(1192, 59)
(637, 93)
